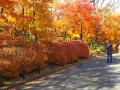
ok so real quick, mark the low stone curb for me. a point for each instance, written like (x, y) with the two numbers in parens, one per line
(39, 76)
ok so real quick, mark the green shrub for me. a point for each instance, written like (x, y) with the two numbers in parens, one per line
(98, 47)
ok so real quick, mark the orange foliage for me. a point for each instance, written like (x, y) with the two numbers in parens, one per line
(57, 53)
(62, 53)
(17, 53)
(81, 48)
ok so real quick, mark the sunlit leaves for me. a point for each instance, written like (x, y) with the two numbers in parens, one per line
(31, 16)
(72, 14)
(12, 19)
(111, 28)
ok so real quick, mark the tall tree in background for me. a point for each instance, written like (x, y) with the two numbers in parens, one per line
(71, 14)
(27, 17)
(104, 8)
(110, 29)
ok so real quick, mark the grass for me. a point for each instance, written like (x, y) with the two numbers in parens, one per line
(98, 47)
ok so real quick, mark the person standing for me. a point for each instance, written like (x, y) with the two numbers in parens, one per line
(109, 49)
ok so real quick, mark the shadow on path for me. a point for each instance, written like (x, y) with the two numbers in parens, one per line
(75, 79)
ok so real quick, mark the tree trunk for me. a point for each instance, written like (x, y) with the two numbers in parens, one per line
(2, 10)
(36, 37)
(81, 36)
(1, 79)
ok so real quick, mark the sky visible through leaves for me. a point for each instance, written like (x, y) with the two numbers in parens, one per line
(105, 3)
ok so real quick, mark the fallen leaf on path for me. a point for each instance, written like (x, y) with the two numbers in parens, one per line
(96, 79)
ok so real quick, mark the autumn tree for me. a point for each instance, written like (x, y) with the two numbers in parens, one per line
(104, 8)
(27, 17)
(110, 29)
(78, 18)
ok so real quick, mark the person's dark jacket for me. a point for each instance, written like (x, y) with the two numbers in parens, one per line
(109, 48)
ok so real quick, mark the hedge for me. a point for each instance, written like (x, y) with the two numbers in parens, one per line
(21, 56)
(62, 53)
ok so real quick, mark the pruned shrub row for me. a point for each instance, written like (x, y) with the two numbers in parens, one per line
(62, 53)
(20, 56)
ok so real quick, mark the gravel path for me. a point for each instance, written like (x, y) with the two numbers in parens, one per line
(97, 75)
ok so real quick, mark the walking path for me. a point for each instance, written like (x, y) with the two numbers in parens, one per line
(97, 75)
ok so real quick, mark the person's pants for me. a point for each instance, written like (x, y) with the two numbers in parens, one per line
(109, 58)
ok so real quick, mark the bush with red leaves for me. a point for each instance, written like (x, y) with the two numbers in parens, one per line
(62, 53)
(18, 53)
(82, 49)
(21, 54)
